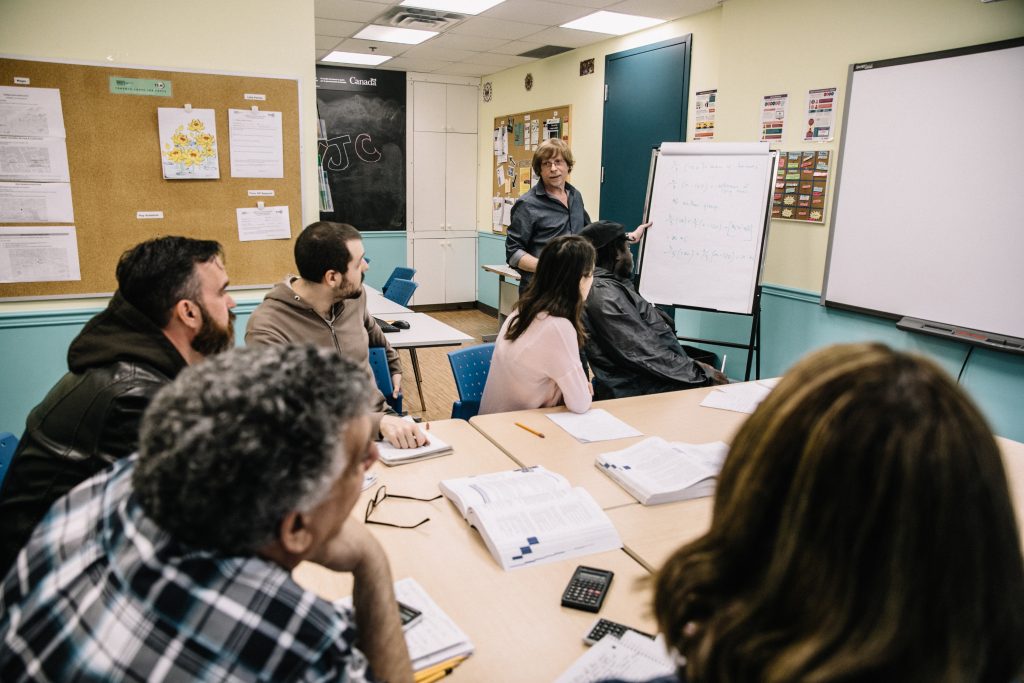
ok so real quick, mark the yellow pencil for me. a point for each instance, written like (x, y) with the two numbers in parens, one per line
(422, 675)
(532, 431)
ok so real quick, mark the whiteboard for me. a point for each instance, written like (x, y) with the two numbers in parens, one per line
(928, 216)
(709, 202)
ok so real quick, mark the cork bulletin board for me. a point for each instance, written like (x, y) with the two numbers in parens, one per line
(114, 160)
(517, 136)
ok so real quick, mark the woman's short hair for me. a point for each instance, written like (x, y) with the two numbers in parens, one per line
(862, 531)
(555, 287)
(549, 149)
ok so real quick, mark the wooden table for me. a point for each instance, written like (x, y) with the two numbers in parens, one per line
(514, 619)
(674, 416)
(424, 331)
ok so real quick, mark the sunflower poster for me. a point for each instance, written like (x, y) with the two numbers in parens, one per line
(188, 143)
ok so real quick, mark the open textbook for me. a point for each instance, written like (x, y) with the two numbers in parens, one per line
(531, 516)
(436, 638)
(436, 447)
(633, 657)
(655, 471)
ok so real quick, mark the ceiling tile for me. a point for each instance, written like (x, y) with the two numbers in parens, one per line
(471, 43)
(568, 37)
(515, 47)
(341, 29)
(423, 65)
(662, 9)
(464, 69)
(327, 42)
(539, 11)
(594, 4)
(347, 10)
(444, 54)
(485, 27)
(357, 45)
(499, 60)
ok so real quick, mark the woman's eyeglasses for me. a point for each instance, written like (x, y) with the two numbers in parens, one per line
(381, 495)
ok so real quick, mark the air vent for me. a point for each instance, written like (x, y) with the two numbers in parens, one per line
(417, 18)
(545, 51)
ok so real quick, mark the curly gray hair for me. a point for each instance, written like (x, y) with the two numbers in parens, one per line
(236, 443)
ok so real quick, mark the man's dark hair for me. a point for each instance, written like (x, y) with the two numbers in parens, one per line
(616, 257)
(322, 246)
(233, 445)
(157, 274)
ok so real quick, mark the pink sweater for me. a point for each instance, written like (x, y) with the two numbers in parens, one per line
(539, 369)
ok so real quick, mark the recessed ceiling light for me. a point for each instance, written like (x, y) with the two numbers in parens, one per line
(390, 34)
(460, 6)
(612, 22)
(355, 58)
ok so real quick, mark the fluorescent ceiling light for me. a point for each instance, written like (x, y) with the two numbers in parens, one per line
(389, 34)
(355, 58)
(460, 6)
(613, 23)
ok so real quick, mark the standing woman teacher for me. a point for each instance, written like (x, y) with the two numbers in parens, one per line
(550, 208)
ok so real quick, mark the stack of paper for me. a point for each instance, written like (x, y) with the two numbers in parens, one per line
(593, 425)
(436, 447)
(743, 397)
(632, 657)
(655, 471)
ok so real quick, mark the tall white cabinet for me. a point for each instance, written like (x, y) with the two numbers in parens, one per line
(442, 188)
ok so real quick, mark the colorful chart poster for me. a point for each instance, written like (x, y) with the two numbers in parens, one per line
(704, 126)
(773, 116)
(821, 114)
(800, 186)
(188, 143)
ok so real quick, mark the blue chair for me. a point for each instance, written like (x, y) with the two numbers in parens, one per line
(8, 444)
(400, 291)
(470, 366)
(398, 272)
(382, 373)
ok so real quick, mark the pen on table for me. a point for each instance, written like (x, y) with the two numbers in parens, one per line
(532, 431)
(725, 357)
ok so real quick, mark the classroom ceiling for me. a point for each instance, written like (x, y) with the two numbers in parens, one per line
(491, 41)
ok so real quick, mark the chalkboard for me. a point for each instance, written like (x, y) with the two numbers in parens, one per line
(928, 201)
(710, 203)
(363, 151)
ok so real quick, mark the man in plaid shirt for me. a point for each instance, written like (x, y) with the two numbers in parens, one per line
(176, 563)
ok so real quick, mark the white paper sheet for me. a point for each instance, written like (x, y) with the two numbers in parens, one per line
(268, 223)
(38, 254)
(594, 425)
(743, 397)
(188, 143)
(37, 159)
(36, 203)
(31, 111)
(257, 149)
(631, 658)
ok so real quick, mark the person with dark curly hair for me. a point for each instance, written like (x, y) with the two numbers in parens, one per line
(175, 564)
(862, 531)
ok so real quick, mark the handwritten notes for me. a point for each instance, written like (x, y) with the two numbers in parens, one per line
(708, 205)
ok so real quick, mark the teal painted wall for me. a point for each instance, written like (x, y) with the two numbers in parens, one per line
(490, 249)
(386, 250)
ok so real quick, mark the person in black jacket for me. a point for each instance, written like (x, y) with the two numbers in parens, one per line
(171, 309)
(630, 346)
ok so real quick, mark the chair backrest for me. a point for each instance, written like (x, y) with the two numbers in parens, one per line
(398, 272)
(382, 374)
(8, 444)
(470, 366)
(400, 291)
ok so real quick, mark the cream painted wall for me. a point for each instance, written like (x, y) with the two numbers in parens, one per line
(750, 48)
(263, 37)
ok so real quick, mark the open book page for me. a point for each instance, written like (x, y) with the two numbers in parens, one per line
(469, 492)
(743, 397)
(546, 527)
(594, 425)
(436, 637)
(631, 658)
(655, 471)
(435, 446)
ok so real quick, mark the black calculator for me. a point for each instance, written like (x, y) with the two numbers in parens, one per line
(587, 588)
(602, 627)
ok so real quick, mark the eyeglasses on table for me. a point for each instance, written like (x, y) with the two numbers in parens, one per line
(381, 495)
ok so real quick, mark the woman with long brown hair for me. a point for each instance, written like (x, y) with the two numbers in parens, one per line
(862, 531)
(536, 360)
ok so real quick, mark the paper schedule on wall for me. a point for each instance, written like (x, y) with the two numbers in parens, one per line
(254, 138)
(39, 254)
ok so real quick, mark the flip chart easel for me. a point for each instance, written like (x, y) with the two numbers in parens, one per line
(711, 204)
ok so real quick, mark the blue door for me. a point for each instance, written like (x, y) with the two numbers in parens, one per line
(645, 105)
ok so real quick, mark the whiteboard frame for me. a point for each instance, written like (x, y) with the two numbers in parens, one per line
(721, 148)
